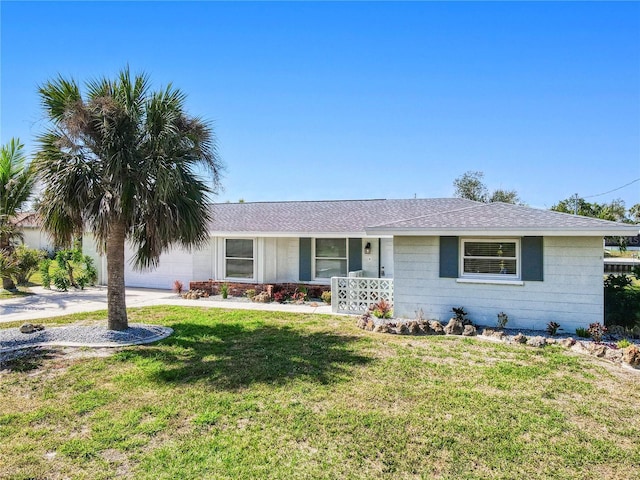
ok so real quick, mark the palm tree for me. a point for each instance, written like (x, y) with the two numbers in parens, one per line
(16, 184)
(127, 164)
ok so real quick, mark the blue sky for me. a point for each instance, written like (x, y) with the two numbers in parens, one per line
(364, 100)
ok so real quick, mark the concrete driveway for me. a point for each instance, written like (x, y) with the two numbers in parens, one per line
(50, 303)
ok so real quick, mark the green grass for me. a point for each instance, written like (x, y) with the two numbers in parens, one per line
(245, 395)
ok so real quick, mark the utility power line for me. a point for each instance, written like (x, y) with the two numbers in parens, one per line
(614, 190)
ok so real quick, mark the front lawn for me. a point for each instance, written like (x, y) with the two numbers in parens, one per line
(246, 395)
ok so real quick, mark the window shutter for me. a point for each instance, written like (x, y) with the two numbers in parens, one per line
(355, 254)
(305, 260)
(532, 259)
(449, 257)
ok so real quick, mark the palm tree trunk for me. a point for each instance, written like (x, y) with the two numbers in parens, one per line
(116, 304)
(7, 284)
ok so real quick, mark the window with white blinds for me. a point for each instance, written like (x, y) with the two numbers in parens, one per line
(497, 258)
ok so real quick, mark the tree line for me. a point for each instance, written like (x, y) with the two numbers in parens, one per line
(470, 185)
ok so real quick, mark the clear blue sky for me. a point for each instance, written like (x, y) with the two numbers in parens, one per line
(364, 100)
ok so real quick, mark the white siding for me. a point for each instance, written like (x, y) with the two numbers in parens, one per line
(571, 293)
(204, 262)
(176, 264)
(36, 238)
(370, 263)
(90, 248)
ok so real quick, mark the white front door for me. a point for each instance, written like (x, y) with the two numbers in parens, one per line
(386, 257)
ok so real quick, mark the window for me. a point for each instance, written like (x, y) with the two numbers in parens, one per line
(239, 258)
(331, 257)
(490, 258)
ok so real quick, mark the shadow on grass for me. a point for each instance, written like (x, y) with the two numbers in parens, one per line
(233, 356)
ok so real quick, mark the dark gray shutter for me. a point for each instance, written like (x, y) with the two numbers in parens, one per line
(305, 260)
(532, 259)
(449, 257)
(355, 254)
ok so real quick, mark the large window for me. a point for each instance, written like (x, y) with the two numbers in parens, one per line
(238, 258)
(331, 257)
(490, 258)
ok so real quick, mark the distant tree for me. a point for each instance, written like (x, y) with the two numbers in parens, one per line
(471, 186)
(505, 196)
(16, 184)
(126, 163)
(634, 213)
(614, 211)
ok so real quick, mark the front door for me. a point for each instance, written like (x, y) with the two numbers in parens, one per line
(386, 257)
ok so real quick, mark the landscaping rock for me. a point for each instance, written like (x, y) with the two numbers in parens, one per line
(454, 327)
(520, 338)
(551, 341)
(579, 347)
(538, 341)
(414, 328)
(613, 354)
(361, 323)
(487, 332)
(567, 342)
(596, 349)
(31, 328)
(500, 335)
(436, 327)
(384, 328)
(424, 327)
(370, 325)
(631, 355)
(469, 331)
(402, 329)
(262, 298)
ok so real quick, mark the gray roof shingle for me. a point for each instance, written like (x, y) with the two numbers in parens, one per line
(314, 217)
(503, 216)
(383, 216)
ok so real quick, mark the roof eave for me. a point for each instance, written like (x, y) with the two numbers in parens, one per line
(273, 234)
(549, 232)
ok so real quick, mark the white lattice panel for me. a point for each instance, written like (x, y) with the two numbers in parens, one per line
(356, 295)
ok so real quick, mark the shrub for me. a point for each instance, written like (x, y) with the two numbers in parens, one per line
(381, 309)
(461, 315)
(250, 293)
(60, 279)
(552, 328)
(178, 286)
(326, 297)
(596, 331)
(224, 290)
(624, 343)
(503, 319)
(44, 267)
(582, 332)
(26, 263)
(280, 296)
(621, 301)
(90, 271)
(300, 295)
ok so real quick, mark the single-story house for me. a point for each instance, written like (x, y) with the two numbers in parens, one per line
(429, 255)
(33, 236)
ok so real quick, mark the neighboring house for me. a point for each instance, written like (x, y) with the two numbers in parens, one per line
(33, 236)
(535, 265)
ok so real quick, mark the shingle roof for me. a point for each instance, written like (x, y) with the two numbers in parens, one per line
(383, 216)
(338, 216)
(27, 219)
(497, 217)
